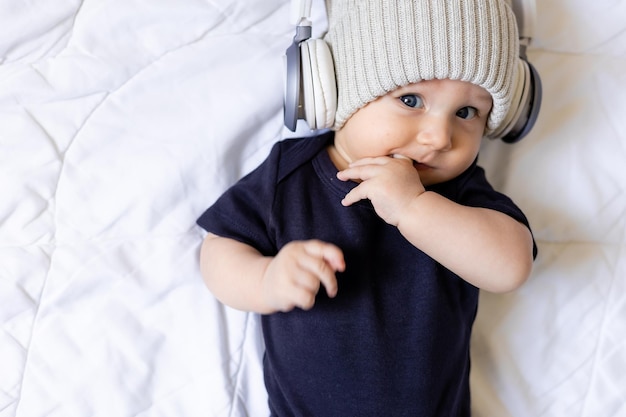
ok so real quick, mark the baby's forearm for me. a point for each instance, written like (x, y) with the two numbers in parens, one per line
(241, 277)
(233, 272)
(487, 248)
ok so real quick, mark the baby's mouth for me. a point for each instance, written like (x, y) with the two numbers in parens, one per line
(400, 156)
(419, 166)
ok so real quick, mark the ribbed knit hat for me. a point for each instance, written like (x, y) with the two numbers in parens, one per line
(380, 45)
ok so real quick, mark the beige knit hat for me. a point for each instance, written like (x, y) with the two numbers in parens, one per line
(380, 45)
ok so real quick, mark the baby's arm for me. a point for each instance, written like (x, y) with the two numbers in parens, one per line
(487, 248)
(241, 277)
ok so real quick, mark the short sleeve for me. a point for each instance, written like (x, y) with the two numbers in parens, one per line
(474, 190)
(243, 211)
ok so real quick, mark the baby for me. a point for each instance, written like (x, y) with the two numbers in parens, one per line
(364, 247)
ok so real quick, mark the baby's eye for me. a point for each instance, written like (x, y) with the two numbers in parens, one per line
(467, 113)
(411, 100)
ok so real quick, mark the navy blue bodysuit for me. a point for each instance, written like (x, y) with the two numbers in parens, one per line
(395, 340)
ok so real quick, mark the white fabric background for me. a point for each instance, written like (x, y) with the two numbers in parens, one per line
(120, 121)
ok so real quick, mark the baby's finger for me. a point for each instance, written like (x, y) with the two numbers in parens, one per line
(316, 272)
(355, 173)
(329, 252)
(364, 169)
(304, 299)
(374, 160)
(296, 296)
(325, 259)
(355, 195)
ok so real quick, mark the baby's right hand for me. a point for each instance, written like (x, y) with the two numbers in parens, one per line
(293, 277)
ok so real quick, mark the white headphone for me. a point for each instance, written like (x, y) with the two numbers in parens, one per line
(311, 91)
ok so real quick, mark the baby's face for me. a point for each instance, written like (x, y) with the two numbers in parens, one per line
(438, 124)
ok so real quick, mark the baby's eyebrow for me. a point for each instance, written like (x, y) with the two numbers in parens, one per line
(482, 99)
(408, 89)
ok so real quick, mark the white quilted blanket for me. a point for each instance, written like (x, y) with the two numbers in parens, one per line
(122, 120)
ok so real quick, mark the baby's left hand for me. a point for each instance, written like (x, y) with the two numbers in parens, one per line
(391, 184)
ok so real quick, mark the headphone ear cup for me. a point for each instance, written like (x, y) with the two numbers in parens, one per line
(520, 92)
(318, 84)
(525, 105)
(307, 98)
(532, 105)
